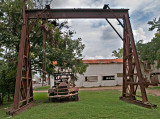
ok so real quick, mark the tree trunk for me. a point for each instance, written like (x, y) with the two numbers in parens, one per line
(49, 79)
(8, 95)
(1, 98)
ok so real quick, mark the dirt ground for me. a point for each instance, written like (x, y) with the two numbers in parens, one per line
(154, 92)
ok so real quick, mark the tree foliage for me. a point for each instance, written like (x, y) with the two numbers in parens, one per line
(155, 24)
(10, 25)
(118, 53)
(150, 51)
(66, 50)
(60, 45)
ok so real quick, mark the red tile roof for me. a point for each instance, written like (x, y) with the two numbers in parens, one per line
(103, 61)
(55, 62)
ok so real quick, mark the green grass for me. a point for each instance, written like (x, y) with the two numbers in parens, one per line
(92, 105)
(42, 88)
(4, 109)
(155, 88)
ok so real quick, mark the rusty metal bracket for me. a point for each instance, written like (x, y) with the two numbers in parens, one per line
(138, 102)
(13, 112)
(106, 6)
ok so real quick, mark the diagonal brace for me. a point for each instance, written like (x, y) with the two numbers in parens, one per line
(114, 29)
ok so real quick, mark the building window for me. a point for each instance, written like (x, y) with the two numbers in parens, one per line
(119, 74)
(109, 77)
(91, 78)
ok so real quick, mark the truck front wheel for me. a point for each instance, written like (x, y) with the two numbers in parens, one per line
(76, 98)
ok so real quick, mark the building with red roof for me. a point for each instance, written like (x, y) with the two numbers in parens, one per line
(109, 72)
(101, 72)
(103, 61)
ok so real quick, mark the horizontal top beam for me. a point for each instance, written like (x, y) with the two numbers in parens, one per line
(76, 13)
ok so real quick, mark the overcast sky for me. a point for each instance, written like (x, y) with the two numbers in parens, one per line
(98, 36)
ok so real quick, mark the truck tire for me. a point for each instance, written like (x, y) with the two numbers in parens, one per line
(76, 97)
(51, 99)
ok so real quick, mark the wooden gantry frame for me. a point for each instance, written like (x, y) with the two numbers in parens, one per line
(132, 75)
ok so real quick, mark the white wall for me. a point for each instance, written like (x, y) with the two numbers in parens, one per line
(101, 70)
(51, 81)
(146, 73)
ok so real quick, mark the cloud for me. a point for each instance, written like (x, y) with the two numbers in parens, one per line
(71, 3)
(109, 33)
(139, 34)
(99, 38)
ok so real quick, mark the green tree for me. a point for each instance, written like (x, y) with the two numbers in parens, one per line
(150, 51)
(118, 53)
(10, 32)
(7, 80)
(155, 24)
(66, 50)
(10, 25)
(60, 45)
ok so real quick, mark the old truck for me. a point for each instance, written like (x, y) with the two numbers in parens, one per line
(64, 88)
